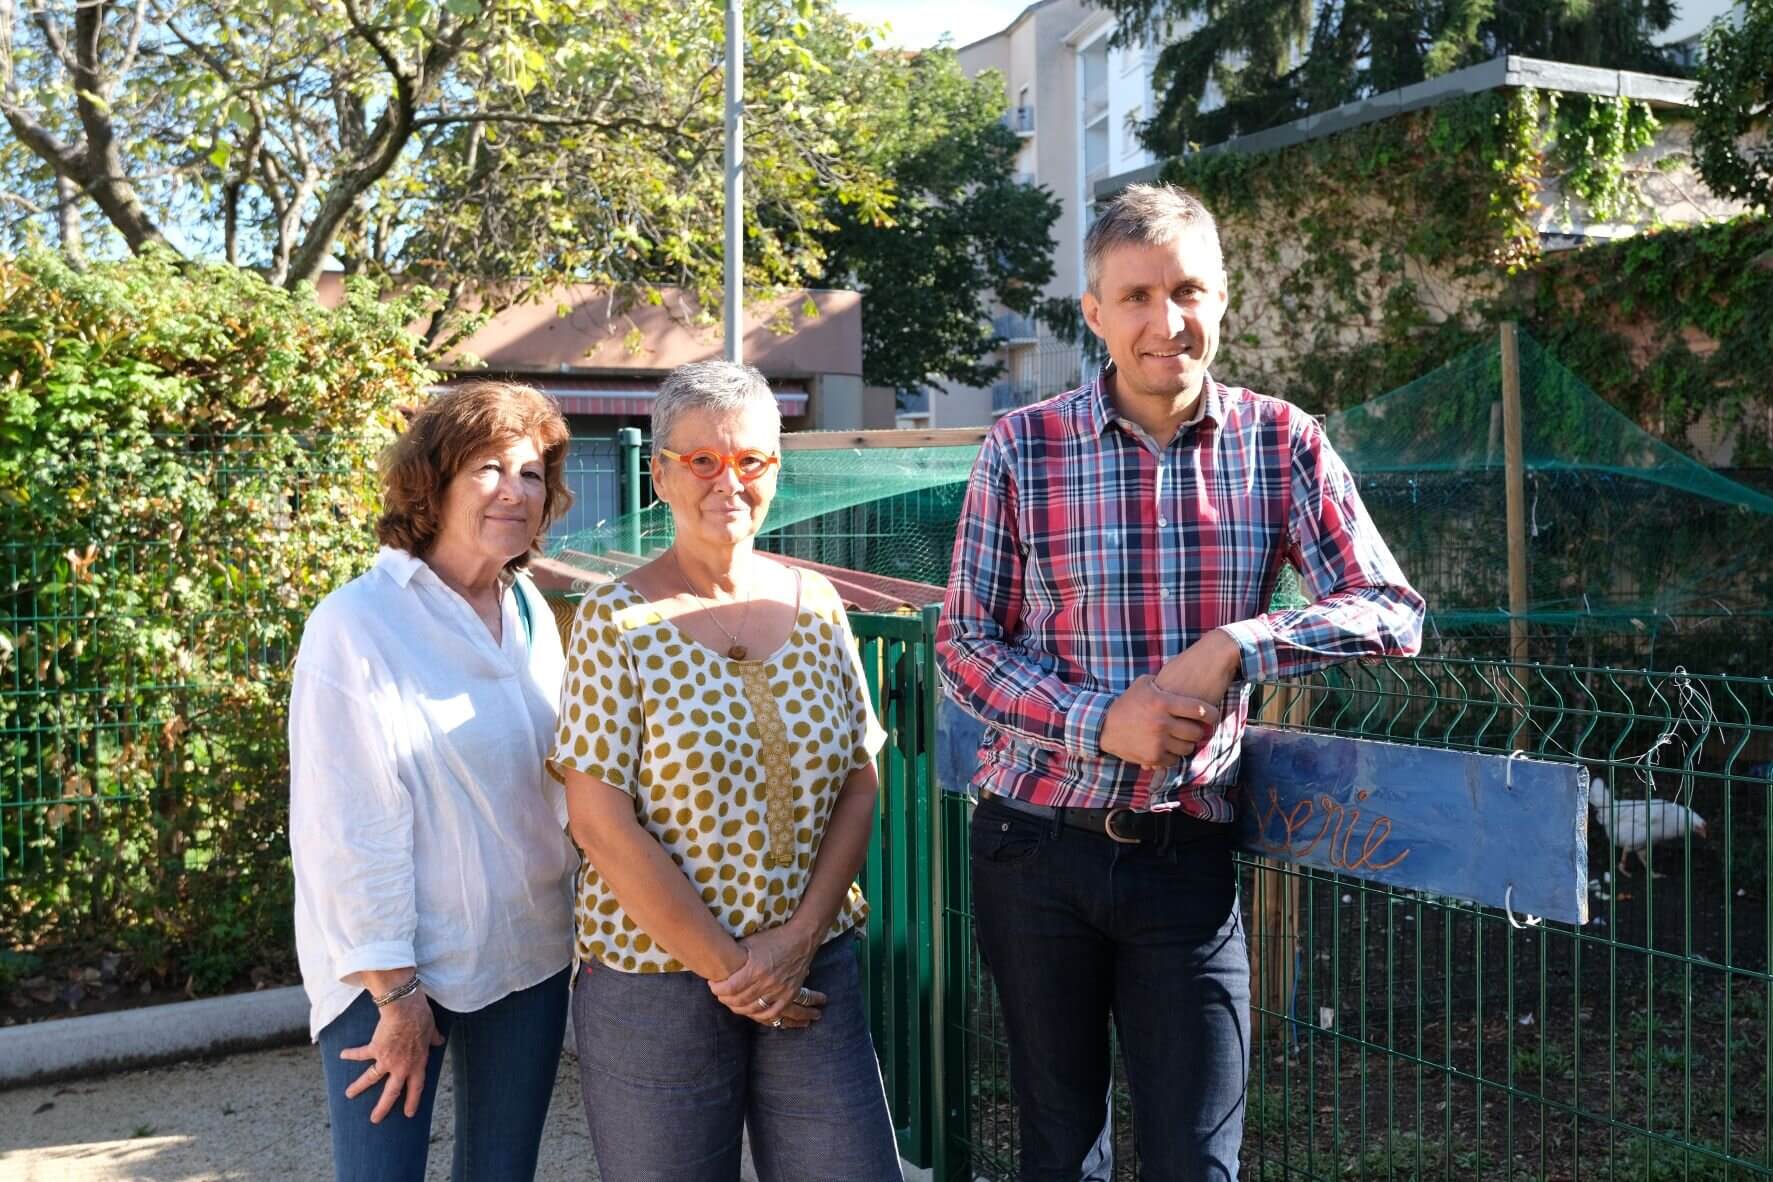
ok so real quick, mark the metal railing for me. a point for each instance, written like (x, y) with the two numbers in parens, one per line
(1015, 328)
(1020, 120)
(1010, 393)
(1403, 1036)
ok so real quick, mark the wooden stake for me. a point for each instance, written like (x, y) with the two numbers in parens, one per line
(1515, 470)
(1517, 494)
(1274, 897)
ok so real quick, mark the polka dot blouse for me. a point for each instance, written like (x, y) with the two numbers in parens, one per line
(733, 765)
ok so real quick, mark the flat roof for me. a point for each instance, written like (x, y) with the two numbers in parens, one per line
(1498, 73)
(1020, 17)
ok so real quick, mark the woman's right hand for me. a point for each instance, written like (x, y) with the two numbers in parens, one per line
(397, 1054)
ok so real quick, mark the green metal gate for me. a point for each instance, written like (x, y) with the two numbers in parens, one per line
(1401, 1036)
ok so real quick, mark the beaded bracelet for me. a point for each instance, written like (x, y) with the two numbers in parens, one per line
(399, 991)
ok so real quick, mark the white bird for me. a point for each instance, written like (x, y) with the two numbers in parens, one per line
(1633, 826)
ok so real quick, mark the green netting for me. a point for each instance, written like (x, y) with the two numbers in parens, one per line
(887, 511)
(1637, 553)
(1450, 420)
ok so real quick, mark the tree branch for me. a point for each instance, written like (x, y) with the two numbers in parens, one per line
(103, 176)
(386, 141)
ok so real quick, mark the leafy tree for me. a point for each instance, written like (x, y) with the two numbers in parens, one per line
(522, 142)
(547, 138)
(1735, 105)
(964, 230)
(1275, 60)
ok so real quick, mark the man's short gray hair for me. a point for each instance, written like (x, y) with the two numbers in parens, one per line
(722, 387)
(1147, 215)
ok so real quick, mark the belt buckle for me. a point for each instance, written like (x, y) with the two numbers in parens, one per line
(1108, 826)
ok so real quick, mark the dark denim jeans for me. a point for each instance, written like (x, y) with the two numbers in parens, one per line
(503, 1059)
(671, 1078)
(1078, 929)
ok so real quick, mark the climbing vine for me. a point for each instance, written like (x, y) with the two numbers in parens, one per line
(1359, 261)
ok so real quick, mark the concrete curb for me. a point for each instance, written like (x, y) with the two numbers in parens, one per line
(69, 1048)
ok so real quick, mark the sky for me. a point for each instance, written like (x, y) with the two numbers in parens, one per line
(919, 23)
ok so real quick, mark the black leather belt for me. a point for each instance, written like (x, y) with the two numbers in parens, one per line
(1118, 824)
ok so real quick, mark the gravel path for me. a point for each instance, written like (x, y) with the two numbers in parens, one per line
(253, 1116)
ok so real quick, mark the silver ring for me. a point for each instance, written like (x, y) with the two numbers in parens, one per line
(804, 997)
(762, 1003)
(776, 1022)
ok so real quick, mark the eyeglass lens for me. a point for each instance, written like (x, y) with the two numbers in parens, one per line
(707, 464)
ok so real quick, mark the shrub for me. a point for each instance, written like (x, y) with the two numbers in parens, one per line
(186, 467)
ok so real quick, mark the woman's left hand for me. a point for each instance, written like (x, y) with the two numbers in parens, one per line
(776, 964)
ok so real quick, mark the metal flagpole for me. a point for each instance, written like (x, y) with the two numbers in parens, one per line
(735, 179)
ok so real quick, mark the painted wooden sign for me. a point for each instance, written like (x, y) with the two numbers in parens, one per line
(1501, 831)
(1489, 829)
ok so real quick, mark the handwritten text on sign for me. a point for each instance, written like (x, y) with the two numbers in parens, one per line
(1450, 823)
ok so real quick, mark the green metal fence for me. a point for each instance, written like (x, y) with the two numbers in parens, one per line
(1404, 1036)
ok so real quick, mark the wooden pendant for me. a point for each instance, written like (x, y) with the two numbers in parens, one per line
(736, 653)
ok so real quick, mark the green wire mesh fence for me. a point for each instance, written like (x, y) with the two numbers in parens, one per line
(1402, 1036)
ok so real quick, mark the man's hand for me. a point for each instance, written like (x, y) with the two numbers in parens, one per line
(1204, 670)
(1155, 729)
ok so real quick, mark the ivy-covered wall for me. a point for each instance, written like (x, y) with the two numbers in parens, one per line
(1360, 261)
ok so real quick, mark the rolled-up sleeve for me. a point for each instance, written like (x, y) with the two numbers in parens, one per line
(1361, 604)
(350, 817)
(985, 674)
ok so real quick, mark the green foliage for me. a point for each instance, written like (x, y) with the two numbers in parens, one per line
(1698, 304)
(1735, 107)
(963, 230)
(1594, 138)
(1391, 248)
(495, 148)
(612, 173)
(1314, 229)
(1270, 63)
(540, 139)
(187, 465)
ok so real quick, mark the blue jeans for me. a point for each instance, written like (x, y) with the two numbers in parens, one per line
(1078, 929)
(671, 1077)
(503, 1058)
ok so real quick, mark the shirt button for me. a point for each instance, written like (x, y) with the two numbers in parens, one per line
(1163, 521)
(1164, 594)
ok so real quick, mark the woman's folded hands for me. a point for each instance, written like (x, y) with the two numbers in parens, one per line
(769, 988)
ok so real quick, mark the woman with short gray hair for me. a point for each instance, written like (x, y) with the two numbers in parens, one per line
(717, 744)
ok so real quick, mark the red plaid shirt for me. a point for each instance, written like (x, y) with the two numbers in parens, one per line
(1087, 555)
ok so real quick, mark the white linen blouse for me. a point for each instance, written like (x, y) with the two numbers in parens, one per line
(422, 826)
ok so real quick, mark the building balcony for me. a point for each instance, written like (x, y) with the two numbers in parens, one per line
(1020, 120)
(1013, 392)
(1014, 328)
(1095, 104)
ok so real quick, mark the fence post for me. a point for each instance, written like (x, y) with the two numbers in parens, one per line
(1514, 471)
(947, 985)
(628, 449)
(1514, 474)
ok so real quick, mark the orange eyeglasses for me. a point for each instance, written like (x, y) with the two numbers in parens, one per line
(706, 463)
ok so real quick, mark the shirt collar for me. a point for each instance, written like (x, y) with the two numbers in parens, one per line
(1102, 413)
(399, 565)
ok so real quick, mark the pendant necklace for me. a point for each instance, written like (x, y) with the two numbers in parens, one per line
(737, 651)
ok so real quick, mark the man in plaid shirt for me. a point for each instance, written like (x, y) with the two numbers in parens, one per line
(1106, 613)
